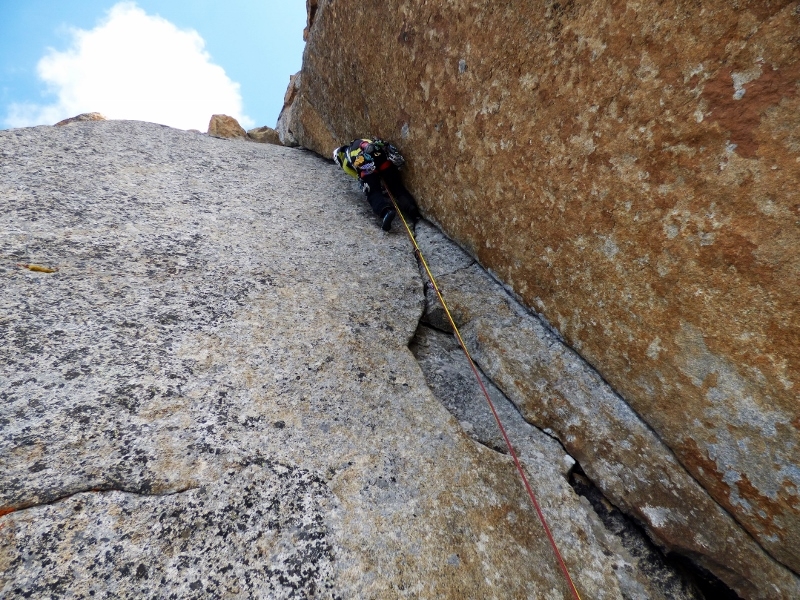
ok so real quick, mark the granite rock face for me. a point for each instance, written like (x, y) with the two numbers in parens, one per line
(630, 171)
(214, 395)
(92, 116)
(452, 381)
(259, 532)
(264, 135)
(555, 390)
(286, 119)
(223, 126)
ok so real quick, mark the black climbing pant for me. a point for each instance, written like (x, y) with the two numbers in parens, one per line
(394, 182)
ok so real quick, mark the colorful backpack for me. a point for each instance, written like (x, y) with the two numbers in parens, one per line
(368, 156)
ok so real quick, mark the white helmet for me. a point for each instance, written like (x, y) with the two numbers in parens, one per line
(337, 158)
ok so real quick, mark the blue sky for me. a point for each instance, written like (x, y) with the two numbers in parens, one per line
(170, 61)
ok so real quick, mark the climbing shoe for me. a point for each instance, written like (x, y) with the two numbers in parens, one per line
(388, 217)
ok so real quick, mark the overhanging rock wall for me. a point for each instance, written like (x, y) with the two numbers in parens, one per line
(630, 170)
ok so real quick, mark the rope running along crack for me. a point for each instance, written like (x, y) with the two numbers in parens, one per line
(418, 254)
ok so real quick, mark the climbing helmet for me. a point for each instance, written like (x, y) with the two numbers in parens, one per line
(337, 154)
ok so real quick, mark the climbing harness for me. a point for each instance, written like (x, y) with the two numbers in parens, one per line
(531, 495)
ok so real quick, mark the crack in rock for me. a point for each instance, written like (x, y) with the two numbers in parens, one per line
(96, 490)
(452, 382)
(555, 389)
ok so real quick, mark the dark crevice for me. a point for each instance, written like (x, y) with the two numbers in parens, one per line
(518, 306)
(673, 571)
(423, 323)
(709, 585)
(493, 448)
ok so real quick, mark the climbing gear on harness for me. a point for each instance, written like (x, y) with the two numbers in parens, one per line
(394, 156)
(361, 158)
(418, 254)
(368, 156)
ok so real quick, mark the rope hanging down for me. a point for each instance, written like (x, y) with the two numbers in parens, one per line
(531, 495)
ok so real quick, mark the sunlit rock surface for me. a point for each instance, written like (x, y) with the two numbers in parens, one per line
(223, 126)
(92, 116)
(213, 395)
(558, 392)
(631, 172)
(264, 135)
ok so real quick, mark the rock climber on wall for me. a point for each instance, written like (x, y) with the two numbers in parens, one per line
(373, 162)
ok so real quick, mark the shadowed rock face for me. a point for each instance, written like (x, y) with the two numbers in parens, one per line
(213, 394)
(630, 171)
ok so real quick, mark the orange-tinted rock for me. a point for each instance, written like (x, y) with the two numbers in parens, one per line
(92, 116)
(264, 135)
(632, 174)
(224, 126)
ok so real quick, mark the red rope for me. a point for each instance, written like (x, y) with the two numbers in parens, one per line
(531, 495)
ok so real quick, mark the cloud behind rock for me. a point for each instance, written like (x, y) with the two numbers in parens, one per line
(133, 66)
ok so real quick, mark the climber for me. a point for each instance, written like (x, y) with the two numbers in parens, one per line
(373, 162)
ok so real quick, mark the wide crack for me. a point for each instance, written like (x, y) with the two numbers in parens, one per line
(452, 382)
(450, 379)
(674, 572)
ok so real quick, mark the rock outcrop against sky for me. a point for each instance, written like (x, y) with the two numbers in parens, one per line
(631, 173)
(211, 393)
(225, 126)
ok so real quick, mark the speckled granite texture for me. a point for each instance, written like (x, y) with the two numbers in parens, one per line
(631, 170)
(558, 392)
(213, 395)
(641, 574)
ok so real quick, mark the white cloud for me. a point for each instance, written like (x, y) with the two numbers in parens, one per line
(134, 66)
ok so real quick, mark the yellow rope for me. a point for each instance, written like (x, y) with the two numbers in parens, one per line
(531, 495)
